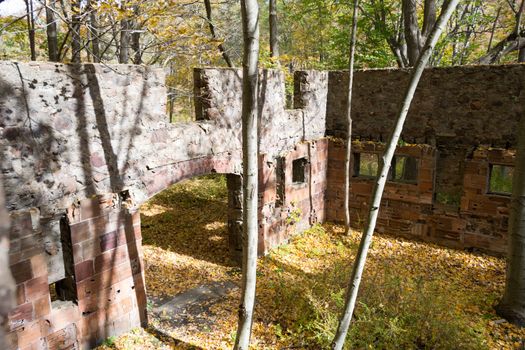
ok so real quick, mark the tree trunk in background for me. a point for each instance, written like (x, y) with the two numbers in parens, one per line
(125, 37)
(95, 42)
(135, 38)
(379, 186)
(75, 28)
(512, 305)
(412, 33)
(429, 19)
(31, 28)
(274, 30)
(7, 284)
(209, 17)
(519, 32)
(250, 80)
(52, 39)
(493, 29)
(514, 41)
(353, 38)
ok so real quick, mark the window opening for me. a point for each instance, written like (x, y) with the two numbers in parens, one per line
(299, 170)
(366, 164)
(500, 179)
(280, 183)
(404, 169)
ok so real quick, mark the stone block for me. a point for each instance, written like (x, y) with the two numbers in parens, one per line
(37, 287)
(84, 270)
(22, 271)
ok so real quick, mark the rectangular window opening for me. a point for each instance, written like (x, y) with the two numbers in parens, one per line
(299, 170)
(63, 292)
(366, 164)
(500, 179)
(280, 183)
(404, 169)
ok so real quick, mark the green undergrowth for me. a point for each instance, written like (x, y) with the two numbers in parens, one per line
(396, 309)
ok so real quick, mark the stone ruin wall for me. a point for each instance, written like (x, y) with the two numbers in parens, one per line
(84, 146)
(462, 120)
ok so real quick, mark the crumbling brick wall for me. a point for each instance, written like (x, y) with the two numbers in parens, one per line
(456, 112)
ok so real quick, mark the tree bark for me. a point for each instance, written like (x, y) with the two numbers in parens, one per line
(386, 160)
(412, 33)
(512, 305)
(52, 39)
(31, 28)
(250, 21)
(351, 61)
(429, 19)
(125, 36)
(494, 29)
(7, 284)
(75, 28)
(135, 38)
(209, 17)
(274, 29)
(518, 31)
(95, 41)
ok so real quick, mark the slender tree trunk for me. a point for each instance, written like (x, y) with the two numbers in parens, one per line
(250, 80)
(429, 19)
(353, 38)
(7, 284)
(31, 28)
(75, 28)
(95, 41)
(135, 38)
(386, 160)
(274, 30)
(124, 41)
(512, 305)
(518, 31)
(221, 48)
(52, 39)
(412, 33)
(493, 29)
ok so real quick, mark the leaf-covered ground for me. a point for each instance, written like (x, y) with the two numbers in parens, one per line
(413, 295)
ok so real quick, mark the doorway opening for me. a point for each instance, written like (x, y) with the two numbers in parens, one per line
(191, 242)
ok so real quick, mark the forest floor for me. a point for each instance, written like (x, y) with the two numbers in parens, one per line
(413, 295)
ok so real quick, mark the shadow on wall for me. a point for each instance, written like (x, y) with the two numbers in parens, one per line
(40, 146)
(7, 283)
(32, 144)
(111, 159)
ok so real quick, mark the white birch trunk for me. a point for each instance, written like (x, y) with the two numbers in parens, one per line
(353, 37)
(386, 160)
(250, 17)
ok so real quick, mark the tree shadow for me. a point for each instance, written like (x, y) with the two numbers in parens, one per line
(173, 342)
